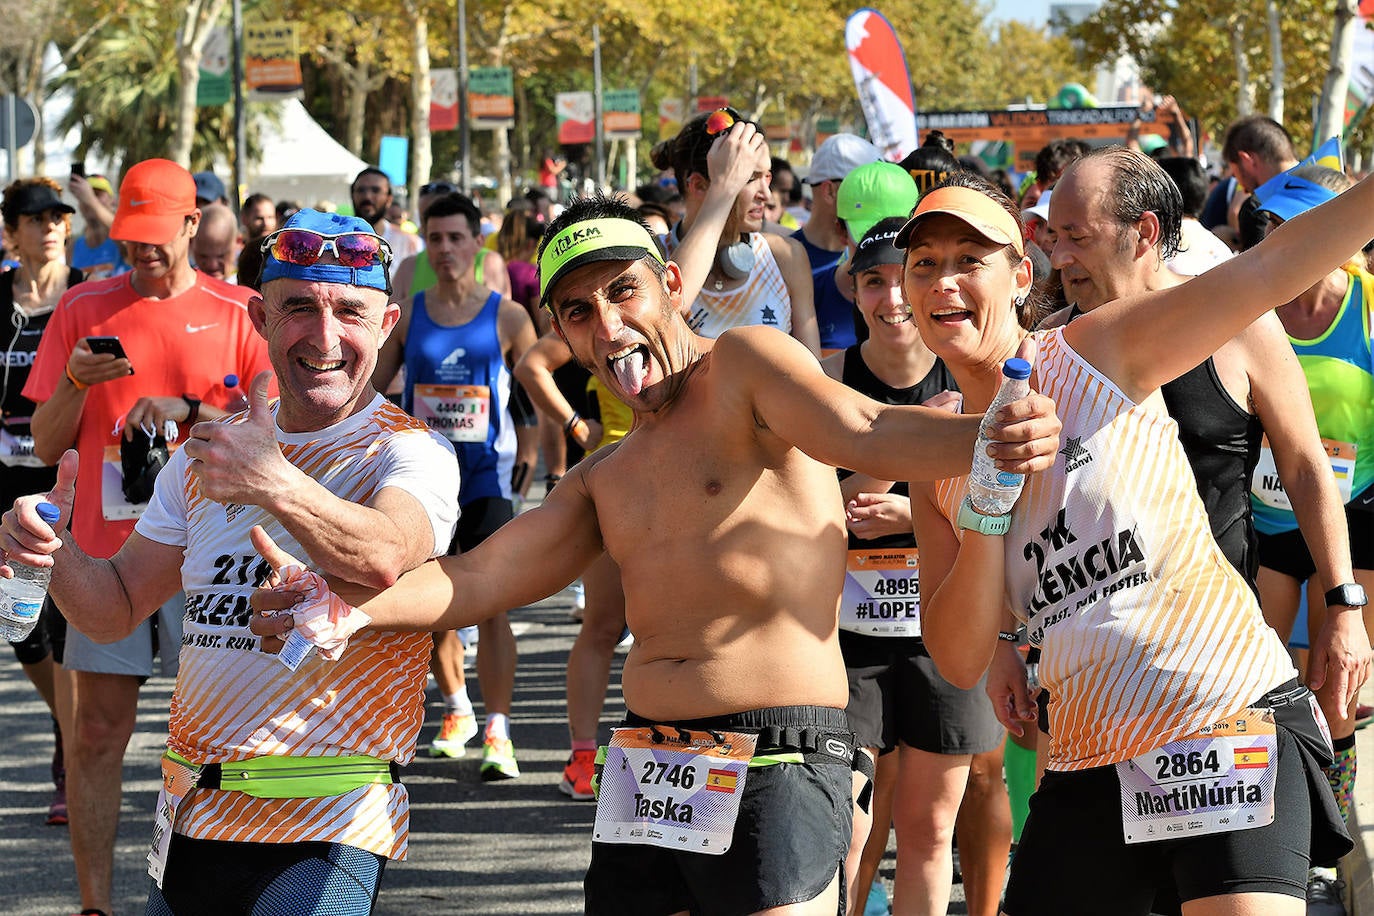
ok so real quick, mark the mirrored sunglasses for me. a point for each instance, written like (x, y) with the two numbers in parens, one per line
(304, 247)
(721, 120)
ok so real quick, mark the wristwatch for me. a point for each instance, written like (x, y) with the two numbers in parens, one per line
(974, 520)
(192, 410)
(1349, 595)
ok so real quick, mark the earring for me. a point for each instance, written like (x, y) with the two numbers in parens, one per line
(1019, 301)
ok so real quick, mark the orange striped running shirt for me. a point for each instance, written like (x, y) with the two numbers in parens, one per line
(233, 702)
(1148, 633)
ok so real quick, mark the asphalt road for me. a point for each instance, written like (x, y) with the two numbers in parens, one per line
(492, 848)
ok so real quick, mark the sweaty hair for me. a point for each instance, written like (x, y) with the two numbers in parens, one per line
(455, 204)
(1054, 157)
(598, 206)
(370, 170)
(1140, 186)
(1191, 180)
(9, 207)
(1032, 309)
(1260, 136)
(686, 153)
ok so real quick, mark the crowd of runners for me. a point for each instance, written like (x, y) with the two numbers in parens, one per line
(292, 450)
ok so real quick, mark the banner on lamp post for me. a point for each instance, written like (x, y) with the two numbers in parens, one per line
(272, 61)
(491, 97)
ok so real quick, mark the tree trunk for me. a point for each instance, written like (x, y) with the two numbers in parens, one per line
(198, 17)
(500, 142)
(1245, 91)
(358, 84)
(188, 68)
(1278, 71)
(1331, 120)
(422, 153)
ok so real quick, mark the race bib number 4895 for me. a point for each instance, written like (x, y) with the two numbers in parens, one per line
(882, 593)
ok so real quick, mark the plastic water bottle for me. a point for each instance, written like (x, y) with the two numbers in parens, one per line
(238, 400)
(21, 598)
(991, 491)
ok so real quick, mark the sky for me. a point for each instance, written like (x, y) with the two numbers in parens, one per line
(1036, 12)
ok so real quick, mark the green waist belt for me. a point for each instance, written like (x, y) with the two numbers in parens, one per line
(293, 777)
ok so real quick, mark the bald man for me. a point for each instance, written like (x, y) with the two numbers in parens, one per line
(215, 249)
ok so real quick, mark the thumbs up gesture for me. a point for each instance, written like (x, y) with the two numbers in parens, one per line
(242, 462)
(24, 536)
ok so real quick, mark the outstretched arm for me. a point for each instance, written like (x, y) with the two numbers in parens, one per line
(467, 589)
(787, 391)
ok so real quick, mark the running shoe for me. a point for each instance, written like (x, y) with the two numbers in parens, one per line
(577, 776)
(57, 811)
(1324, 895)
(498, 760)
(454, 734)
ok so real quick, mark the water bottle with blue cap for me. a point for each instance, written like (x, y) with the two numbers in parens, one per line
(21, 598)
(994, 492)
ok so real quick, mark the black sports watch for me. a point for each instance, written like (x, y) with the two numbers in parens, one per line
(1349, 595)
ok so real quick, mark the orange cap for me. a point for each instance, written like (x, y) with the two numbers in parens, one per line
(155, 197)
(980, 212)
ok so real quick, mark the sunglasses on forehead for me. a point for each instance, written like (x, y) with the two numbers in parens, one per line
(721, 120)
(305, 247)
(438, 187)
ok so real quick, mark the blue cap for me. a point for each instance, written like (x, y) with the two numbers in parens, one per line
(209, 187)
(1016, 368)
(49, 513)
(375, 276)
(1291, 195)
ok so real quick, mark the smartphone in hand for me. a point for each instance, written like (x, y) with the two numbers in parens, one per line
(109, 345)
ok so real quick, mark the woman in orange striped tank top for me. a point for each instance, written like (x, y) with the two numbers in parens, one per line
(1176, 717)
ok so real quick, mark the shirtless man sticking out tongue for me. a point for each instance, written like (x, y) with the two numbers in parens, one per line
(730, 788)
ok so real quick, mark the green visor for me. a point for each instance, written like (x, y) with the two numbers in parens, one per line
(608, 239)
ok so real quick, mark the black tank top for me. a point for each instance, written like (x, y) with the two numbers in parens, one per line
(1222, 443)
(858, 376)
(18, 344)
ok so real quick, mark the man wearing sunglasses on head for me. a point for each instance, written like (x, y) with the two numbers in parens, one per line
(280, 781)
(177, 333)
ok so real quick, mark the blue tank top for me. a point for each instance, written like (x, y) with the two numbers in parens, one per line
(835, 315)
(457, 381)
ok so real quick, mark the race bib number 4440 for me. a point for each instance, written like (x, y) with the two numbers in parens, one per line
(1215, 781)
(673, 789)
(459, 413)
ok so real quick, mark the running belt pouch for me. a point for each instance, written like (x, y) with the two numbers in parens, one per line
(141, 459)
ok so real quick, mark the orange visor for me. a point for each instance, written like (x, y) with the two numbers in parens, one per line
(980, 212)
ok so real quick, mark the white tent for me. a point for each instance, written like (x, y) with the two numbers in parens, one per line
(300, 161)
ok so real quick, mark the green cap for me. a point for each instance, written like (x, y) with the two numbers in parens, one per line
(871, 193)
(606, 239)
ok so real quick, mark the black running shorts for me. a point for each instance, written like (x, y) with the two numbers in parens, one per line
(789, 843)
(897, 695)
(1073, 861)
